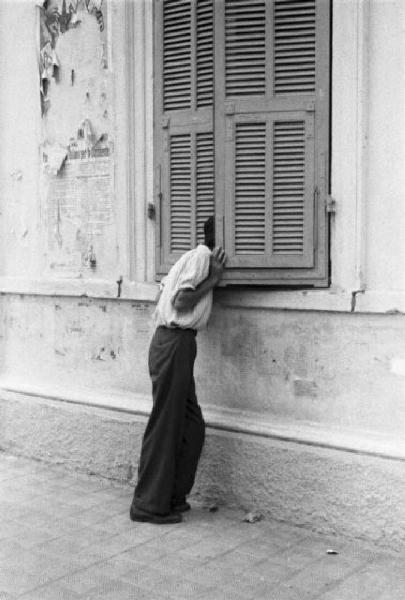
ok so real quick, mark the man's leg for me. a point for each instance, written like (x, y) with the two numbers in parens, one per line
(191, 447)
(171, 360)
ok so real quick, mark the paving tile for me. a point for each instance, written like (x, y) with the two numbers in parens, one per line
(175, 565)
(6, 596)
(236, 559)
(272, 572)
(227, 593)
(85, 580)
(209, 547)
(249, 585)
(262, 548)
(176, 540)
(375, 581)
(52, 591)
(67, 536)
(173, 585)
(9, 547)
(28, 562)
(215, 574)
(121, 523)
(117, 566)
(392, 593)
(115, 590)
(18, 582)
(144, 576)
(144, 553)
(285, 592)
(320, 575)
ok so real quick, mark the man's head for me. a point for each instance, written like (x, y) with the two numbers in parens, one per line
(209, 232)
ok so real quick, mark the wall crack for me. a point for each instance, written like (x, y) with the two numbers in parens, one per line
(354, 299)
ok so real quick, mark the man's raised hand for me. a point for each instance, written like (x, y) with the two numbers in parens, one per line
(217, 263)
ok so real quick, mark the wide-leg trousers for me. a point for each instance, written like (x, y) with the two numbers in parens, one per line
(174, 435)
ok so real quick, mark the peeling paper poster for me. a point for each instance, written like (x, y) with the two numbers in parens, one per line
(77, 179)
(53, 157)
(58, 17)
(80, 209)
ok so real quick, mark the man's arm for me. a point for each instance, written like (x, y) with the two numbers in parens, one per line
(186, 299)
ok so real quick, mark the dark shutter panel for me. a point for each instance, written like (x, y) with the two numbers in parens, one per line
(184, 139)
(272, 137)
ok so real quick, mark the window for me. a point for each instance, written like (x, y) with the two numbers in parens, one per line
(241, 131)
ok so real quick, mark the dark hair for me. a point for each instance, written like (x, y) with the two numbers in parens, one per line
(209, 232)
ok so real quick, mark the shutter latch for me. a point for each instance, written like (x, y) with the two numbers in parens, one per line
(330, 204)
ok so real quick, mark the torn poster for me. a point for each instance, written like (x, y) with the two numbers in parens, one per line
(80, 210)
(55, 21)
(53, 157)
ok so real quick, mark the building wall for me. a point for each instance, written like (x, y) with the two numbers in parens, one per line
(310, 379)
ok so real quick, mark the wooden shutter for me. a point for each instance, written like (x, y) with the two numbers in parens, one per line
(271, 124)
(241, 116)
(184, 138)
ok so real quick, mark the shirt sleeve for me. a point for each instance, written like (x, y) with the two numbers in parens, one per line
(194, 271)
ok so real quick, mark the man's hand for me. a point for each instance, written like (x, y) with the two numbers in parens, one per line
(217, 263)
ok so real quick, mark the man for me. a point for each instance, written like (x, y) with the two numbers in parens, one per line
(175, 432)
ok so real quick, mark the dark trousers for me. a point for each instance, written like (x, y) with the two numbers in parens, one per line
(175, 432)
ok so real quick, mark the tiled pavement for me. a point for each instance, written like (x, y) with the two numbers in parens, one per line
(65, 537)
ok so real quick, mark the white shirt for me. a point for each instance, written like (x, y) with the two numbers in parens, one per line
(187, 273)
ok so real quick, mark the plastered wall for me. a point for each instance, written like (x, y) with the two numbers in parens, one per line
(59, 175)
(329, 368)
(386, 147)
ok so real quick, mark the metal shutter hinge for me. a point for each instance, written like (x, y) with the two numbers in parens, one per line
(330, 204)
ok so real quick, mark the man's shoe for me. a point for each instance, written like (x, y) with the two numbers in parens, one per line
(136, 514)
(180, 506)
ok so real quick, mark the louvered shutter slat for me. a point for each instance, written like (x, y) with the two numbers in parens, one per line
(176, 55)
(205, 53)
(245, 28)
(288, 176)
(180, 192)
(294, 47)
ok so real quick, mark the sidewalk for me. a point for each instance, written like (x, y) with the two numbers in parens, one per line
(65, 537)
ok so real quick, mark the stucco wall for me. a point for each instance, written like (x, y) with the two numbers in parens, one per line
(386, 147)
(330, 368)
